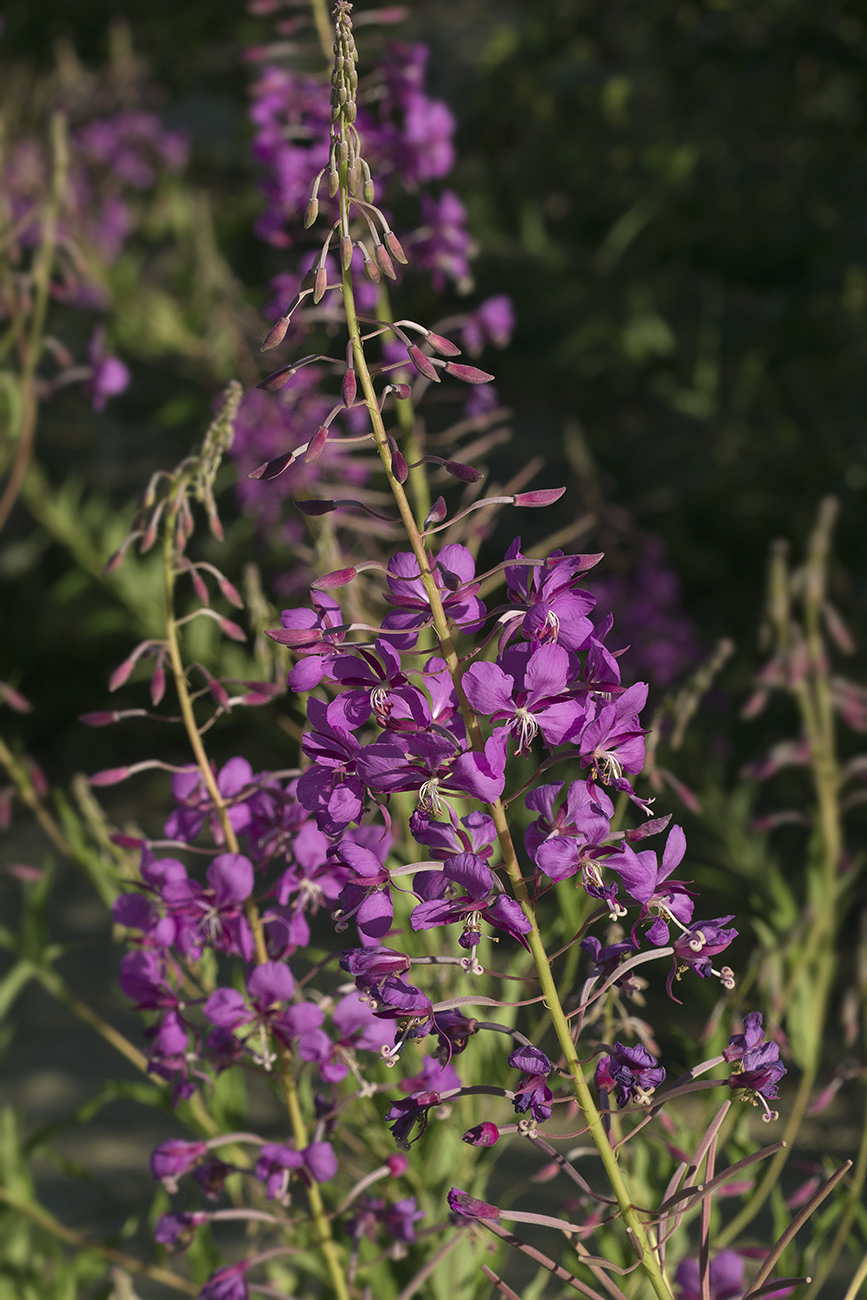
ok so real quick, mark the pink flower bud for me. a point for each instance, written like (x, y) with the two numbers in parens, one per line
(109, 776)
(401, 390)
(423, 363)
(393, 245)
(444, 347)
(271, 383)
(231, 630)
(218, 692)
(482, 1135)
(320, 284)
(315, 508)
(371, 270)
(465, 473)
(272, 468)
(127, 841)
(399, 466)
(437, 513)
(230, 592)
(294, 636)
(385, 262)
(121, 674)
(316, 445)
(467, 374)
(101, 719)
(27, 873)
(397, 1164)
(541, 497)
(14, 699)
(345, 251)
(158, 685)
(275, 335)
(338, 578)
(349, 387)
(199, 586)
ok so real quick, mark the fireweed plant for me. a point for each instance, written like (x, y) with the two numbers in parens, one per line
(463, 816)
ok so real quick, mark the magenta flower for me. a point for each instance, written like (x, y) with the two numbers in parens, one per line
(531, 695)
(647, 881)
(109, 376)
(453, 570)
(481, 901)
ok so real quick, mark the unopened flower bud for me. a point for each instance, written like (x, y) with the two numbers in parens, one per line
(401, 390)
(423, 363)
(231, 629)
(465, 473)
(338, 578)
(352, 177)
(345, 251)
(109, 776)
(542, 497)
(333, 182)
(121, 674)
(443, 346)
(385, 262)
(342, 153)
(271, 383)
(104, 718)
(467, 374)
(199, 587)
(230, 592)
(276, 334)
(398, 465)
(371, 270)
(316, 445)
(311, 212)
(482, 1135)
(158, 685)
(314, 508)
(272, 468)
(321, 284)
(218, 692)
(348, 388)
(393, 245)
(436, 514)
(397, 1164)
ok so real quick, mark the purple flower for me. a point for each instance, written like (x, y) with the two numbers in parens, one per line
(453, 571)
(758, 1073)
(176, 1231)
(469, 1207)
(109, 376)
(633, 1071)
(555, 610)
(492, 322)
(740, 1044)
(696, 946)
(370, 966)
(613, 742)
(530, 695)
(570, 838)
(233, 780)
(443, 245)
(398, 1220)
(228, 1283)
(172, 1159)
(480, 902)
(647, 882)
(725, 1275)
(365, 896)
